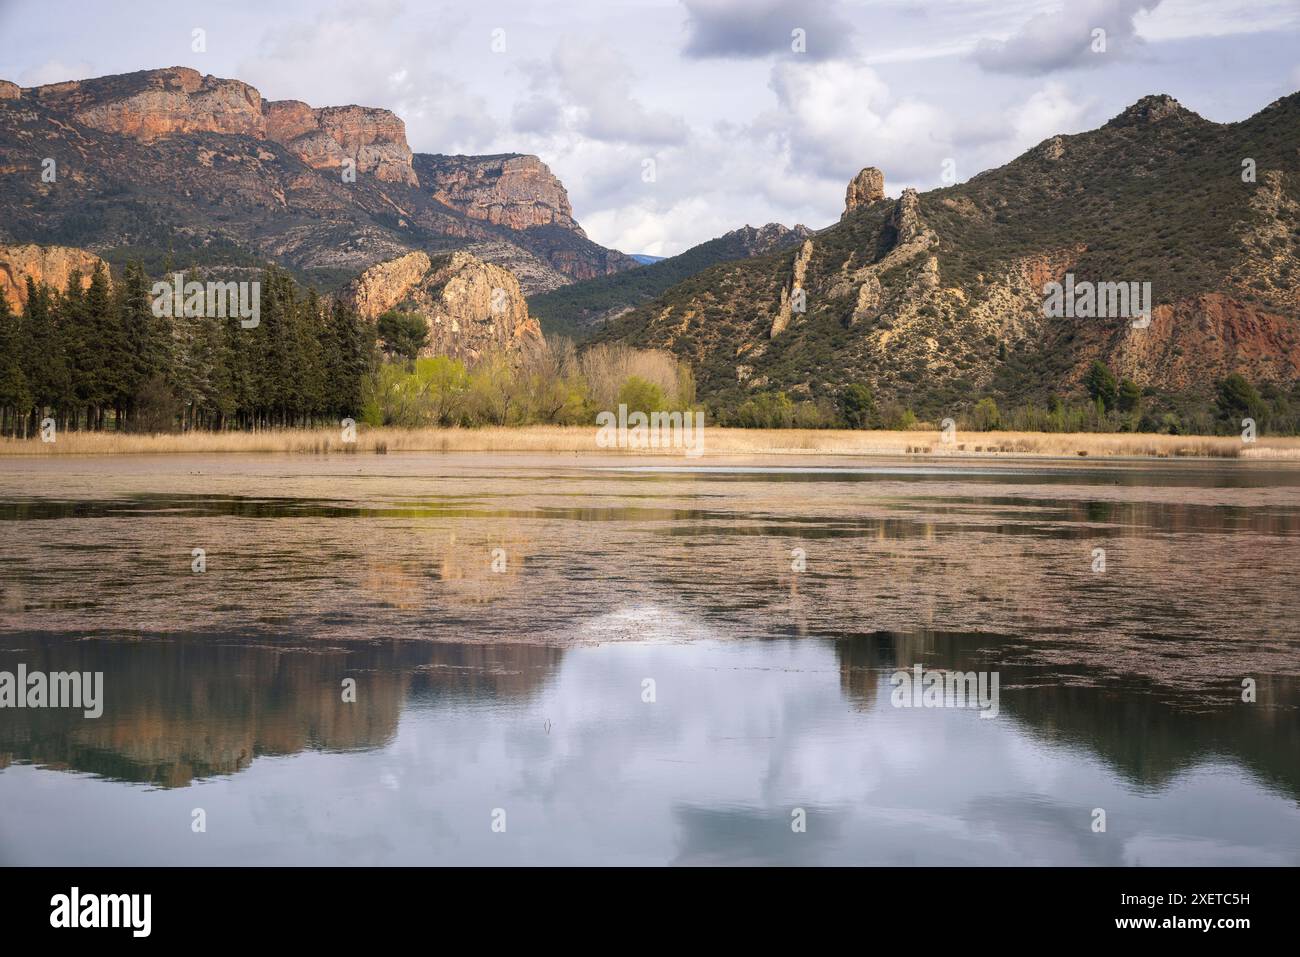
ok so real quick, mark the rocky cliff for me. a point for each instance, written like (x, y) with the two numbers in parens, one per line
(157, 103)
(522, 197)
(52, 265)
(374, 139)
(473, 308)
(510, 190)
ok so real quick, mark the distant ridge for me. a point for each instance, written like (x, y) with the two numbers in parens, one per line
(576, 310)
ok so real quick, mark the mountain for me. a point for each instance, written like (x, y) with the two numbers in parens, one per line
(172, 160)
(577, 309)
(936, 299)
(645, 259)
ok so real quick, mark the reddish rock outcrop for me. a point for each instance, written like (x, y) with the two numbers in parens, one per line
(156, 103)
(52, 265)
(1194, 340)
(372, 138)
(10, 91)
(793, 295)
(517, 191)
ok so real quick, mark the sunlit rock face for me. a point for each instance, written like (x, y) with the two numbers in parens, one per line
(473, 308)
(153, 104)
(867, 187)
(517, 191)
(156, 103)
(51, 265)
(374, 139)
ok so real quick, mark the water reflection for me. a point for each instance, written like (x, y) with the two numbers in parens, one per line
(187, 707)
(520, 685)
(740, 734)
(1147, 733)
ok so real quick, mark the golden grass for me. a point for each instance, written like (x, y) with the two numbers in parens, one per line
(717, 442)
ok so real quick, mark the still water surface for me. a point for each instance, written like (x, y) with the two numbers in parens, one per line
(500, 616)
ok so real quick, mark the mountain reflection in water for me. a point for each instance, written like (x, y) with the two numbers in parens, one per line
(523, 689)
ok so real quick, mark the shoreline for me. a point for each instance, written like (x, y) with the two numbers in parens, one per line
(717, 442)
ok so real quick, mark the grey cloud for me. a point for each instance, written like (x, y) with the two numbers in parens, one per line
(752, 29)
(1063, 39)
(536, 114)
(588, 88)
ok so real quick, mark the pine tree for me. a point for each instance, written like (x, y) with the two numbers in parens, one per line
(74, 324)
(96, 354)
(148, 339)
(15, 396)
(106, 347)
(351, 348)
(310, 359)
(45, 356)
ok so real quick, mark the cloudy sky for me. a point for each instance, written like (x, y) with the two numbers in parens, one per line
(752, 111)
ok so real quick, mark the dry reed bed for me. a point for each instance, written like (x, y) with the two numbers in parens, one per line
(717, 442)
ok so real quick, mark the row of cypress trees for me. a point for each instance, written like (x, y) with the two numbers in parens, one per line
(96, 356)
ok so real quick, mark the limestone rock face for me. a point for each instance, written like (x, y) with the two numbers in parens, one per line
(372, 138)
(906, 217)
(10, 91)
(473, 308)
(153, 104)
(785, 312)
(52, 265)
(759, 240)
(516, 191)
(867, 187)
(383, 286)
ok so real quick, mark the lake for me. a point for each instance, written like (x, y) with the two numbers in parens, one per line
(510, 659)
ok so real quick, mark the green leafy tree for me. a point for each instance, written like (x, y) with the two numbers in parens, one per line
(1237, 399)
(1101, 385)
(404, 334)
(1130, 395)
(985, 416)
(641, 395)
(858, 406)
(766, 410)
(444, 382)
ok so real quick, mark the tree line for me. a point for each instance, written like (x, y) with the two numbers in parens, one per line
(1108, 404)
(99, 355)
(96, 355)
